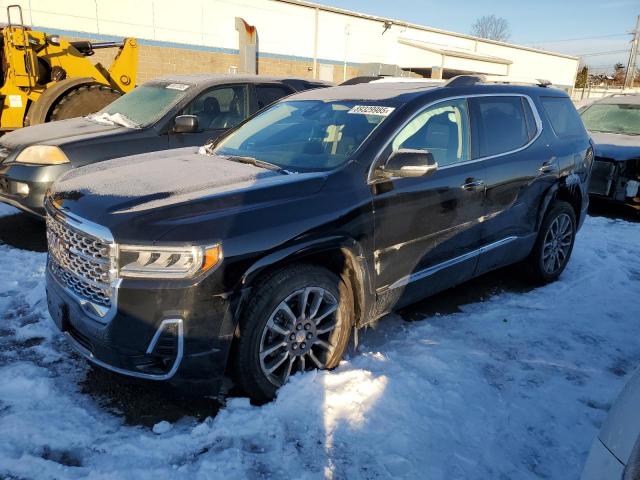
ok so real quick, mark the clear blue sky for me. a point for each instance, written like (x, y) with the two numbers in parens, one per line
(536, 23)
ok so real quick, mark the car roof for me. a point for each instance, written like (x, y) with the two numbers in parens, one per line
(207, 79)
(620, 99)
(405, 91)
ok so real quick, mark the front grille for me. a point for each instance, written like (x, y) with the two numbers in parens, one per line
(602, 174)
(79, 261)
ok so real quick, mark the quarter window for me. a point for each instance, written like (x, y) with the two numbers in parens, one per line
(563, 116)
(443, 130)
(219, 108)
(506, 124)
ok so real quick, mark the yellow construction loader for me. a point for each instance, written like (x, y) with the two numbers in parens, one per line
(46, 78)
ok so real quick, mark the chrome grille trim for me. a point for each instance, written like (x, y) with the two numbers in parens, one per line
(82, 262)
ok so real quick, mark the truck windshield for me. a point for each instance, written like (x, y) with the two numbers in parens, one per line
(142, 106)
(623, 119)
(304, 135)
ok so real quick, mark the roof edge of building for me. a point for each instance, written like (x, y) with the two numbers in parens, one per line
(351, 13)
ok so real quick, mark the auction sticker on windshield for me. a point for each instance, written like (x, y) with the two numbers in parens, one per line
(372, 110)
(177, 86)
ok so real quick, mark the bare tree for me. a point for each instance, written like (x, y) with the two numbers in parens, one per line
(491, 27)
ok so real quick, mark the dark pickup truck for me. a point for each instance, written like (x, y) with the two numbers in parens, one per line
(259, 254)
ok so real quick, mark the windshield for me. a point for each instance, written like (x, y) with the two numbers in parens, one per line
(142, 106)
(624, 119)
(304, 135)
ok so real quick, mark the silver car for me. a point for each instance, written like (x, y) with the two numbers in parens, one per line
(615, 453)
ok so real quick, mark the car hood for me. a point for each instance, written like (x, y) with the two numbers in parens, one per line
(58, 133)
(615, 146)
(153, 191)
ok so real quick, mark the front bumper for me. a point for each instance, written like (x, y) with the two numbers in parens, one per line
(175, 334)
(38, 178)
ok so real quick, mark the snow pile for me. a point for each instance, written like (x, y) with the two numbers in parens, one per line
(512, 387)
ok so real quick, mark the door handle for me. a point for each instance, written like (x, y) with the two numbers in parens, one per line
(546, 167)
(473, 185)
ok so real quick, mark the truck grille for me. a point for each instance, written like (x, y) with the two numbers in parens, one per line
(79, 261)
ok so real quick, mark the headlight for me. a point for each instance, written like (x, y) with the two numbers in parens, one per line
(166, 262)
(42, 155)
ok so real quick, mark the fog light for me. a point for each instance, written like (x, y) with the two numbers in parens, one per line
(22, 189)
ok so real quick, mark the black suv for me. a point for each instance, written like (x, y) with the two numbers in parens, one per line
(260, 253)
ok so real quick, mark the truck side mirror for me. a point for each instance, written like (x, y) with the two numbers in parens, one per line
(408, 163)
(185, 124)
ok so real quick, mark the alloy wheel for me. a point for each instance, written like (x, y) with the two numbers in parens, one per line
(557, 244)
(297, 335)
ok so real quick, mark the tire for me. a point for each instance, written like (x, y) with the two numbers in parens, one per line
(554, 244)
(83, 101)
(303, 343)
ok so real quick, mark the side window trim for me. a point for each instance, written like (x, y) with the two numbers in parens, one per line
(534, 109)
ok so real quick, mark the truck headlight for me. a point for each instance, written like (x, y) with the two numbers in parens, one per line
(166, 262)
(42, 155)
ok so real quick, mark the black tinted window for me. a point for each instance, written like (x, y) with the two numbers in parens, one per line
(532, 128)
(267, 94)
(563, 116)
(503, 124)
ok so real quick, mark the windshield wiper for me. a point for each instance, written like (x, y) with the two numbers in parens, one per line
(257, 163)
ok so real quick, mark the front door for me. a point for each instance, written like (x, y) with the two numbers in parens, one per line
(427, 229)
(218, 109)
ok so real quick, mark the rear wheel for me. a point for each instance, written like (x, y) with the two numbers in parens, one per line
(299, 320)
(554, 244)
(83, 101)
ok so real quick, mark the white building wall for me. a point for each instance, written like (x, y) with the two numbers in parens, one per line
(288, 30)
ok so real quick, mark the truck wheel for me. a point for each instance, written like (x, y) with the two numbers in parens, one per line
(298, 319)
(554, 244)
(83, 101)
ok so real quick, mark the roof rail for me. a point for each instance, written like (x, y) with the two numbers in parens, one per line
(467, 80)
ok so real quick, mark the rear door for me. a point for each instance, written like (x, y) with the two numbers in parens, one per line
(519, 168)
(218, 109)
(427, 229)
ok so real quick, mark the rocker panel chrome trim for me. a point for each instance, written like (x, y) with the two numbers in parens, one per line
(446, 264)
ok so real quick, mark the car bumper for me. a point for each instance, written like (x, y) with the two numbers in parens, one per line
(176, 335)
(24, 186)
(601, 464)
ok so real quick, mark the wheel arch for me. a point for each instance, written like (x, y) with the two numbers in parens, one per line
(565, 190)
(40, 109)
(341, 255)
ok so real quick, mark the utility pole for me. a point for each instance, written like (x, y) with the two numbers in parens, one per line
(631, 66)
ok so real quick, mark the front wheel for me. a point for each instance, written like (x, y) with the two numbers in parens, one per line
(554, 244)
(299, 319)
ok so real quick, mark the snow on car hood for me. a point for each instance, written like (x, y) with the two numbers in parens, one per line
(58, 133)
(177, 179)
(615, 146)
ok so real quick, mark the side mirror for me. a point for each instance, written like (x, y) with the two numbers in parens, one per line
(185, 124)
(408, 163)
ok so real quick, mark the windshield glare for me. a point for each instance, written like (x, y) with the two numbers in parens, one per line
(145, 104)
(624, 119)
(304, 135)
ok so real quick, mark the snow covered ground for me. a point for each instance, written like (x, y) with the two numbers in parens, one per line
(512, 387)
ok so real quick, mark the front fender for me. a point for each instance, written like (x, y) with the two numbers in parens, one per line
(348, 247)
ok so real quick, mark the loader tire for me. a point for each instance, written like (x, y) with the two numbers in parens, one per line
(83, 101)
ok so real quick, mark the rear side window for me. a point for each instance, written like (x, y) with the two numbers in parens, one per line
(505, 124)
(563, 116)
(267, 94)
